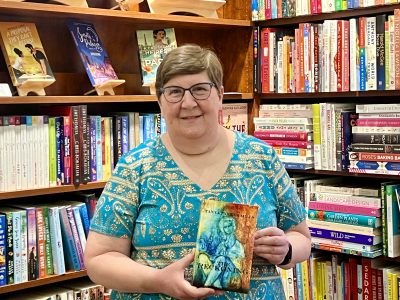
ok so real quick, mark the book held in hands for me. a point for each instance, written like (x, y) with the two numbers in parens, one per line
(224, 246)
(153, 45)
(24, 53)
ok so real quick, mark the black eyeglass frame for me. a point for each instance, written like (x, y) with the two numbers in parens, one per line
(163, 89)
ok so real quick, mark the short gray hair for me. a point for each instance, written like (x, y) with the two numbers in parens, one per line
(189, 59)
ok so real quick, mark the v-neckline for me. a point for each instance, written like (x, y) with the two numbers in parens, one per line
(184, 173)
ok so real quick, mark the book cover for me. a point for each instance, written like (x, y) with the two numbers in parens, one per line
(224, 246)
(153, 45)
(92, 52)
(235, 116)
(24, 52)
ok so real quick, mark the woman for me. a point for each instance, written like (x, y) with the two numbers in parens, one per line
(145, 224)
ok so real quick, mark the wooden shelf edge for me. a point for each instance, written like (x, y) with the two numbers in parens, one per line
(97, 99)
(345, 14)
(342, 173)
(63, 11)
(40, 282)
(329, 95)
(52, 190)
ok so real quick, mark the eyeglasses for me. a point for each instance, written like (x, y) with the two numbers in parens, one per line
(199, 91)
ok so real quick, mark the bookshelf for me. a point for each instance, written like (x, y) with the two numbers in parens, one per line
(230, 36)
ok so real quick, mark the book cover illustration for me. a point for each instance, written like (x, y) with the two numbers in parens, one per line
(224, 246)
(234, 116)
(23, 52)
(153, 45)
(92, 52)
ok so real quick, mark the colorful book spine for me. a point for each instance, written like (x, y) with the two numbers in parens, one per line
(24, 246)
(70, 252)
(41, 244)
(56, 241)
(99, 153)
(348, 209)
(3, 250)
(351, 219)
(345, 236)
(48, 246)
(75, 236)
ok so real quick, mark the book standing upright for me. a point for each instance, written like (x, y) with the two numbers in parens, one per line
(26, 59)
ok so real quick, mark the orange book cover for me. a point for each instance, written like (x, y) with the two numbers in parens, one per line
(224, 246)
(23, 52)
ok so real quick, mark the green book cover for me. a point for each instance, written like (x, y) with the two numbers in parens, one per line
(224, 246)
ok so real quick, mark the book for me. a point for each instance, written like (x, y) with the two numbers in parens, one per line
(235, 116)
(92, 52)
(153, 45)
(224, 246)
(23, 52)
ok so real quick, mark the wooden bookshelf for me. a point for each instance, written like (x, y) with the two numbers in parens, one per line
(40, 282)
(344, 174)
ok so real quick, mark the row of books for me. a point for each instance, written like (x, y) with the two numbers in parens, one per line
(73, 147)
(82, 289)
(340, 277)
(273, 9)
(26, 59)
(56, 149)
(43, 239)
(337, 56)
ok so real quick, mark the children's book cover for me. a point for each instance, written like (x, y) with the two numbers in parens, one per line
(153, 45)
(224, 246)
(92, 52)
(235, 117)
(23, 52)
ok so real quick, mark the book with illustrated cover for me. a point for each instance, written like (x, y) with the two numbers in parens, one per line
(235, 117)
(23, 52)
(153, 45)
(224, 246)
(92, 52)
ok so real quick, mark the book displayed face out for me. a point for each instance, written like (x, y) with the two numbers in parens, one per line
(224, 246)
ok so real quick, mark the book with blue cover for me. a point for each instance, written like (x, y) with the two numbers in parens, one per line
(92, 52)
(224, 246)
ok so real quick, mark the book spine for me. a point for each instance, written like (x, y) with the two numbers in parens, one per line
(343, 227)
(380, 52)
(53, 159)
(84, 143)
(342, 218)
(67, 171)
(346, 199)
(371, 148)
(32, 244)
(352, 209)
(41, 242)
(48, 246)
(378, 138)
(93, 152)
(10, 249)
(296, 166)
(70, 252)
(75, 236)
(3, 250)
(75, 146)
(292, 144)
(60, 151)
(24, 246)
(79, 227)
(282, 135)
(99, 152)
(344, 236)
(344, 245)
(56, 241)
(17, 246)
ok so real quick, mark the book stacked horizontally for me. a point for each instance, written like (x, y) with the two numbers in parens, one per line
(376, 140)
(345, 218)
(289, 129)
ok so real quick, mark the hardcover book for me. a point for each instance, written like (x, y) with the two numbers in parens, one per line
(224, 246)
(235, 116)
(23, 52)
(92, 52)
(153, 45)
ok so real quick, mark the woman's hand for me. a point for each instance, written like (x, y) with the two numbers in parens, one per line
(173, 283)
(271, 244)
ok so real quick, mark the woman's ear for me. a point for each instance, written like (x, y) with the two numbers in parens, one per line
(221, 93)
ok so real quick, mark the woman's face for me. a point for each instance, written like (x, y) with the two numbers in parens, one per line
(191, 118)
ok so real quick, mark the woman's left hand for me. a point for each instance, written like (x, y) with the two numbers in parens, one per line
(271, 244)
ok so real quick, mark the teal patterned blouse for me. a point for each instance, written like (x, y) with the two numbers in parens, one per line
(151, 201)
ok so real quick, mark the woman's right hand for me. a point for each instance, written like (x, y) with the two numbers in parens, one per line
(173, 283)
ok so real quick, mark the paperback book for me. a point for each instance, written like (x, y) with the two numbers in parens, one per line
(234, 116)
(92, 52)
(224, 246)
(153, 45)
(23, 52)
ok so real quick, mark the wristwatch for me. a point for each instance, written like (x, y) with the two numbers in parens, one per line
(288, 257)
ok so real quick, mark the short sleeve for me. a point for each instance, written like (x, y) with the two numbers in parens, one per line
(116, 209)
(290, 209)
